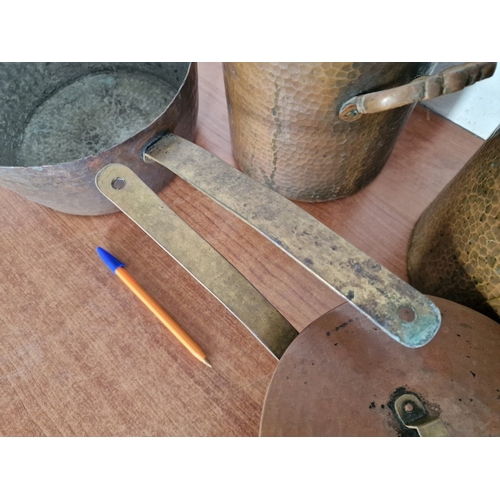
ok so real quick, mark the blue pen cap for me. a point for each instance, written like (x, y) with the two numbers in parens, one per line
(110, 260)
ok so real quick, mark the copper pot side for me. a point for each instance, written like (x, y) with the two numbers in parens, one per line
(455, 247)
(287, 134)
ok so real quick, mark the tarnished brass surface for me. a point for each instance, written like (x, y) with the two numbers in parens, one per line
(36, 108)
(197, 256)
(413, 414)
(287, 134)
(455, 247)
(371, 288)
(422, 89)
(337, 379)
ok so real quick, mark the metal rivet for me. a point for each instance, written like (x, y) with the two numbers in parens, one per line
(408, 407)
(118, 183)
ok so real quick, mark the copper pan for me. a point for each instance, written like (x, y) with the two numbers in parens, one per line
(338, 379)
(341, 375)
(60, 123)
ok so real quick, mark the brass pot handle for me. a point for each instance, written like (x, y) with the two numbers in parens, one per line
(392, 305)
(421, 89)
(136, 200)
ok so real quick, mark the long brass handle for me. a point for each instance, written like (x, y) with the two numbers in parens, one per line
(134, 198)
(394, 306)
(422, 89)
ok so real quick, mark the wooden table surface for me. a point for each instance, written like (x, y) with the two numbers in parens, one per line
(80, 356)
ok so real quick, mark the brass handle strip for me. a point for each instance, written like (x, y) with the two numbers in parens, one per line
(135, 199)
(373, 290)
(422, 89)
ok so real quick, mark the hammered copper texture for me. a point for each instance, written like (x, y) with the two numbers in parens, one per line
(455, 247)
(69, 186)
(286, 132)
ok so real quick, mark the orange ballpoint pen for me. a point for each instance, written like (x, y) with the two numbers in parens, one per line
(118, 268)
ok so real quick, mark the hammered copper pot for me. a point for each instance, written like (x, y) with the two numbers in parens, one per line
(320, 131)
(455, 247)
(60, 123)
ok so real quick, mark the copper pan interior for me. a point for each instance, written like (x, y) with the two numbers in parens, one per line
(54, 113)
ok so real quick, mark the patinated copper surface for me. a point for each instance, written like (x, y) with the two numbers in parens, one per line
(339, 379)
(286, 131)
(68, 186)
(455, 247)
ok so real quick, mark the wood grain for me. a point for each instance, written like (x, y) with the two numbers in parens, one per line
(80, 356)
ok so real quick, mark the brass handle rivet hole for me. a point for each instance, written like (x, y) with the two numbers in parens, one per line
(406, 314)
(118, 183)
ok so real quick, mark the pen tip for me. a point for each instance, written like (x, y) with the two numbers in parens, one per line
(110, 260)
(205, 361)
